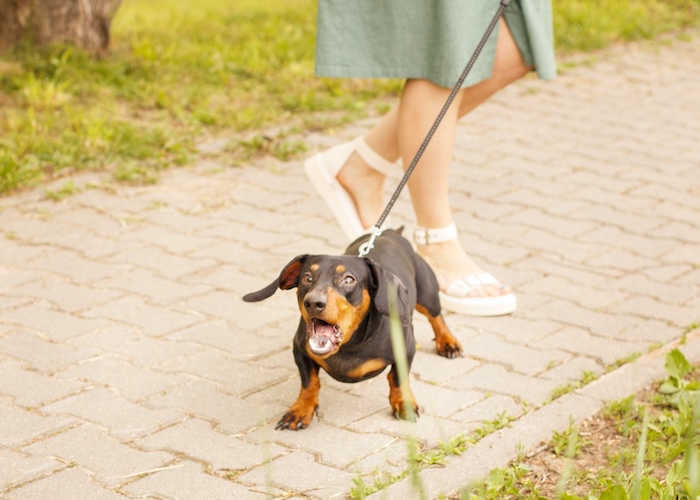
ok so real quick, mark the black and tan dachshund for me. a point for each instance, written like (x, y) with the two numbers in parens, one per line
(344, 326)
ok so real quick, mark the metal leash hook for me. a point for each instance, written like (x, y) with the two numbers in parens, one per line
(369, 244)
(375, 231)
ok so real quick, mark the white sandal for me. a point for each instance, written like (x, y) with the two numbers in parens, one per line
(456, 298)
(322, 169)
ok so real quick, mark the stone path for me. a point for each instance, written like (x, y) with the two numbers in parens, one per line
(130, 367)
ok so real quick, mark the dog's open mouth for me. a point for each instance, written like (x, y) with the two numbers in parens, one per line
(323, 337)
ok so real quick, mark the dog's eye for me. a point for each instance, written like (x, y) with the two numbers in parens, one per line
(307, 278)
(348, 280)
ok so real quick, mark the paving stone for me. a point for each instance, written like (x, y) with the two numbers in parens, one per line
(224, 277)
(580, 342)
(20, 426)
(40, 354)
(147, 284)
(686, 254)
(155, 321)
(626, 380)
(17, 468)
(653, 331)
(132, 382)
(124, 419)
(668, 293)
(487, 409)
(52, 324)
(651, 308)
(222, 452)
(644, 247)
(170, 239)
(237, 344)
(519, 330)
(13, 252)
(534, 391)
(339, 408)
(381, 465)
(235, 377)
(348, 447)
(72, 482)
(11, 277)
(94, 247)
(74, 266)
(620, 259)
(673, 274)
(66, 296)
(134, 346)
(11, 303)
(163, 263)
(573, 370)
(442, 401)
(299, 472)
(582, 295)
(233, 415)
(95, 450)
(563, 227)
(31, 389)
(189, 477)
(226, 305)
(95, 221)
(598, 322)
(574, 272)
(521, 359)
(436, 370)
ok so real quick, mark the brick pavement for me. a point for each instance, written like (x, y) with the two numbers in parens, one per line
(129, 366)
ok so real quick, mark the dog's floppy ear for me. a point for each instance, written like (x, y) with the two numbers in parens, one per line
(288, 278)
(381, 280)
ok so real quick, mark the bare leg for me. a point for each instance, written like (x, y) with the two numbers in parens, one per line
(402, 130)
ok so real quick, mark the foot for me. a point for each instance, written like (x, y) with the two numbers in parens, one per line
(365, 185)
(450, 263)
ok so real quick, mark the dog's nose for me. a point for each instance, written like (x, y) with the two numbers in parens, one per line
(315, 302)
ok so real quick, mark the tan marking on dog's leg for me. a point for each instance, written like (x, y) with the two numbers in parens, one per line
(302, 411)
(446, 343)
(400, 405)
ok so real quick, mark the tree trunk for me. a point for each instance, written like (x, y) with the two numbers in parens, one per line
(84, 23)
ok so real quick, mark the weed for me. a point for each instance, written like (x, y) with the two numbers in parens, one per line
(68, 189)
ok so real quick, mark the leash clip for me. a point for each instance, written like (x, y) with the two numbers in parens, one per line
(369, 244)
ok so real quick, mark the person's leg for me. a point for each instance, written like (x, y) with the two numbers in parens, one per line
(365, 185)
(429, 183)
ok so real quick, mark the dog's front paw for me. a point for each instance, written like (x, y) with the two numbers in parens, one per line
(401, 408)
(298, 417)
(405, 411)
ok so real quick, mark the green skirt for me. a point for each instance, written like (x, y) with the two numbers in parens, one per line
(426, 39)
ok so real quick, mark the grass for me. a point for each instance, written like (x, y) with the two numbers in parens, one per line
(642, 447)
(243, 70)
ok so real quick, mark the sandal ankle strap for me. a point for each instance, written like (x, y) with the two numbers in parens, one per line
(372, 158)
(424, 236)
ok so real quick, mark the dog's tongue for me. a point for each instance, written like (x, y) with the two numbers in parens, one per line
(323, 338)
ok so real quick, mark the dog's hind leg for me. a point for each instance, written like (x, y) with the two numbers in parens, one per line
(447, 344)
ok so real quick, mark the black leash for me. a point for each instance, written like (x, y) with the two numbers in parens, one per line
(376, 231)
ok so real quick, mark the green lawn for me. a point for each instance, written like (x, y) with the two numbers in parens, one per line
(178, 70)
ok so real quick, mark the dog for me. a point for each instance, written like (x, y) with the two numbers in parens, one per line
(345, 327)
